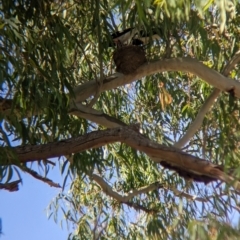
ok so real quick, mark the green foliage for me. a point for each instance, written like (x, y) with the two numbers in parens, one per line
(49, 47)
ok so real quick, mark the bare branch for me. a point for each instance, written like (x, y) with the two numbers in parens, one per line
(79, 110)
(185, 164)
(95, 116)
(125, 199)
(88, 89)
(154, 186)
(196, 124)
(108, 189)
(193, 66)
(186, 195)
(39, 177)
(193, 128)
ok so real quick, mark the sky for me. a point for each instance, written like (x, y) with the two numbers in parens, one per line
(24, 213)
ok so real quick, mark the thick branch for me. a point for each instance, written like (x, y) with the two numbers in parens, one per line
(193, 128)
(118, 80)
(169, 157)
(193, 66)
(88, 89)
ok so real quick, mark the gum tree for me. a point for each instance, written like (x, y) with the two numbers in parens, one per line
(153, 153)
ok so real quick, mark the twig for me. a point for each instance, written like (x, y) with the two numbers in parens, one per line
(12, 186)
(46, 161)
(231, 64)
(126, 199)
(108, 189)
(39, 177)
(186, 195)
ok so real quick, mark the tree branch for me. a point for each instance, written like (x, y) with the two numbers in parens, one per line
(196, 124)
(154, 186)
(77, 109)
(125, 199)
(11, 187)
(186, 195)
(108, 189)
(231, 64)
(193, 66)
(185, 164)
(39, 177)
(88, 89)
(95, 116)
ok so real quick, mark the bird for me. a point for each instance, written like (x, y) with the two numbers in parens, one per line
(124, 37)
(143, 38)
(132, 36)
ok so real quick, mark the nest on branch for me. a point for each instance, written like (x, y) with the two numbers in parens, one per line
(129, 58)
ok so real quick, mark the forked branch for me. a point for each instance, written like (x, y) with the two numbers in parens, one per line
(196, 124)
(107, 189)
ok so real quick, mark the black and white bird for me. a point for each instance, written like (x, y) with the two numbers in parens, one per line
(143, 38)
(124, 37)
(132, 36)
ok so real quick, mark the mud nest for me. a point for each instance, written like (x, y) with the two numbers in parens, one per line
(129, 58)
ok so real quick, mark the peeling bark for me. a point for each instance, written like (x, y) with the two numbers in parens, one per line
(175, 158)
